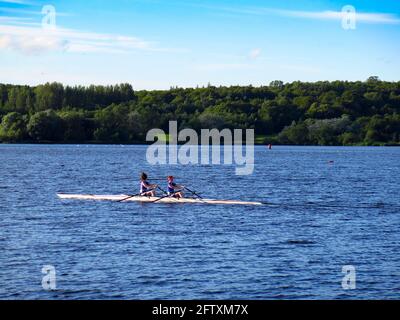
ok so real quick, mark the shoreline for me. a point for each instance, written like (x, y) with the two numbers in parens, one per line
(181, 144)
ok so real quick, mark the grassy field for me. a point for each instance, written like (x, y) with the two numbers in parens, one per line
(163, 137)
(259, 139)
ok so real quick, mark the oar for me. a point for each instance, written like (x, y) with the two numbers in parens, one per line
(139, 194)
(193, 192)
(163, 191)
(135, 195)
(168, 195)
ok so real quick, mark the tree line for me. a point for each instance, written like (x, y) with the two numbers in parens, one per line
(298, 113)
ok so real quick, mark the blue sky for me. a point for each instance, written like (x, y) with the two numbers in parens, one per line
(158, 44)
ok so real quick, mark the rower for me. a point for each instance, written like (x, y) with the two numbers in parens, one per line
(174, 190)
(146, 188)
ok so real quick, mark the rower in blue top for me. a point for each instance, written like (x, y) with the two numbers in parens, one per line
(146, 188)
(174, 190)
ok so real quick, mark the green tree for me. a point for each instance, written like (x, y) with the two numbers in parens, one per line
(296, 134)
(49, 96)
(348, 138)
(13, 127)
(297, 112)
(74, 126)
(326, 131)
(278, 84)
(112, 125)
(211, 121)
(46, 126)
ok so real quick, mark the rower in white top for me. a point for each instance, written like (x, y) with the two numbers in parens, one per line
(147, 189)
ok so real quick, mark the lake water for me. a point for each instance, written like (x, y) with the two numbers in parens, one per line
(321, 216)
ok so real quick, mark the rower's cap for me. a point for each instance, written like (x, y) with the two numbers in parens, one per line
(170, 177)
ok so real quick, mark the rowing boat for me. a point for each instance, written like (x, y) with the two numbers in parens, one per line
(152, 199)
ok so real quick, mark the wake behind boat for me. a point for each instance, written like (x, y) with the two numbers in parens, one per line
(124, 197)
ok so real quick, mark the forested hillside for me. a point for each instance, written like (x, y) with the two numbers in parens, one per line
(321, 113)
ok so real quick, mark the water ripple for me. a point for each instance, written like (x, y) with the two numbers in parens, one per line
(317, 218)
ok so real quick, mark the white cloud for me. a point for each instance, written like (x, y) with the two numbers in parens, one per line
(33, 12)
(15, 1)
(338, 15)
(35, 40)
(363, 17)
(32, 45)
(10, 19)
